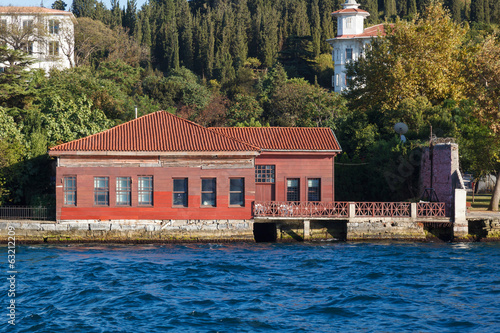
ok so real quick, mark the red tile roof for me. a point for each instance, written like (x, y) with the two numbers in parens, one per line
(285, 138)
(31, 10)
(373, 31)
(155, 132)
(350, 10)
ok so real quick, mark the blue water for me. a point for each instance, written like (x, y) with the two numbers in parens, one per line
(323, 287)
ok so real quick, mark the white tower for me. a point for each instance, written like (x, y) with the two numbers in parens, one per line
(350, 20)
(351, 40)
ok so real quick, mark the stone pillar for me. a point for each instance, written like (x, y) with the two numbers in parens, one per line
(352, 209)
(460, 224)
(413, 211)
(307, 229)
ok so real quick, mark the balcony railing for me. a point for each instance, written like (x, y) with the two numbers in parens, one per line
(26, 213)
(301, 209)
(341, 209)
(383, 209)
(431, 209)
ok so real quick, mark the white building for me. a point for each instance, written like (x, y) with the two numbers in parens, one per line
(351, 40)
(46, 34)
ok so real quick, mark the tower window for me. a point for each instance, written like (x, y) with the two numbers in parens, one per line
(348, 54)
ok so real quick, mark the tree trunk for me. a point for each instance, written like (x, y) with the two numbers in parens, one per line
(495, 198)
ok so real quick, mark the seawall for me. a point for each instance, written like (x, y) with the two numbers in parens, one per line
(161, 231)
(184, 231)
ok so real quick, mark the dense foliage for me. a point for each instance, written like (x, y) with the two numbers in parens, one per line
(262, 63)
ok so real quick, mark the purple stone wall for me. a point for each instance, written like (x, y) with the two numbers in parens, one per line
(446, 172)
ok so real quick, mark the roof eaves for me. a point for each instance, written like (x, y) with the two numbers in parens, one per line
(150, 153)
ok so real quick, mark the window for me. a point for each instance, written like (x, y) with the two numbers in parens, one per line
(292, 189)
(27, 25)
(145, 190)
(237, 191)
(101, 191)
(348, 54)
(349, 22)
(53, 48)
(264, 173)
(181, 192)
(313, 189)
(69, 188)
(29, 47)
(208, 192)
(54, 27)
(123, 191)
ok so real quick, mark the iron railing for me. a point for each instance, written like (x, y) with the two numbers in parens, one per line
(431, 209)
(341, 209)
(383, 209)
(301, 209)
(26, 213)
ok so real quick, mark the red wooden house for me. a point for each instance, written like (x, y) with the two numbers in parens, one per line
(162, 167)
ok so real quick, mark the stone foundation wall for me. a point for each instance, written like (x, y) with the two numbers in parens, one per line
(385, 229)
(485, 229)
(129, 231)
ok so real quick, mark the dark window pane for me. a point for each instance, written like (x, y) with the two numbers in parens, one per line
(145, 190)
(208, 185)
(208, 199)
(236, 184)
(180, 199)
(264, 173)
(237, 191)
(180, 192)
(101, 191)
(236, 199)
(292, 190)
(313, 189)
(180, 185)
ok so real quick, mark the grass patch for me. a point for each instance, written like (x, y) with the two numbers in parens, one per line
(481, 201)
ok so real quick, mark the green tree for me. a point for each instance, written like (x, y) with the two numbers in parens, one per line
(59, 4)
(16, 79)
(65, 120)
(298, 103)
(12, 151)
(245, 109)
(485, 75)
(422, 57)
(477, 11)
(316, 28)
(83, 8)
(390, 10)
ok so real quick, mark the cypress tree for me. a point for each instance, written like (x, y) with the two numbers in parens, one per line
(455, 7)
(477, 11)
(316, 28)
(129, 16)
(185, 24)
(116, 14)
(495, 13)
(487, 15)
(268, 38)
(327, 26)
(239, 46)
(300, 21)
(371, 6)
(389, 9)
(412, 8)
(401, 8)
(146, 26)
